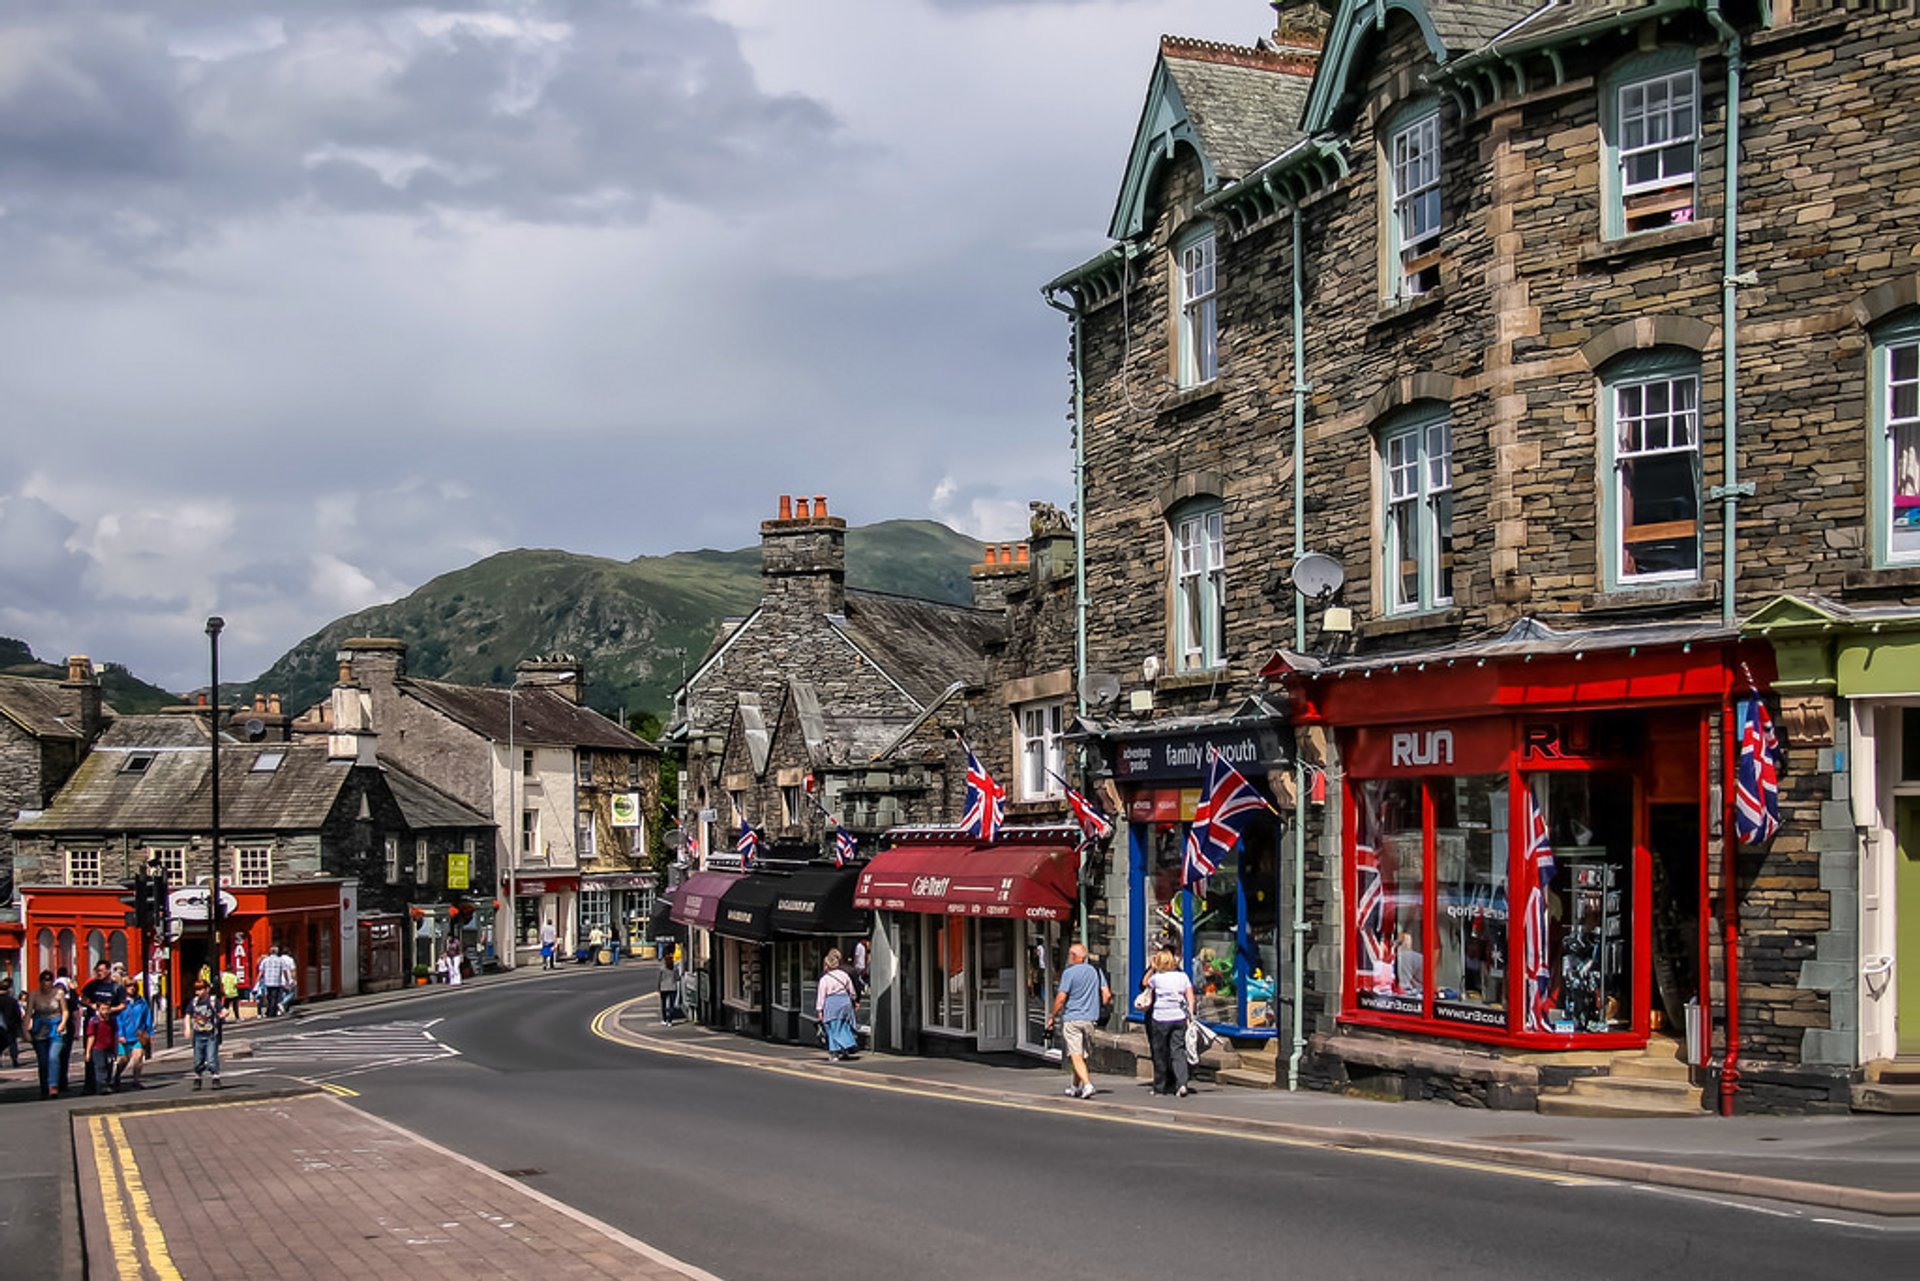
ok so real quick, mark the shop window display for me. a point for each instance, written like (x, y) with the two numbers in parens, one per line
(1224, 929)
(742, 974)
(1583, 973)
(1389, 896)
(1470, 875)
(946, 971)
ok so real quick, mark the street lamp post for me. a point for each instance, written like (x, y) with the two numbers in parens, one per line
(214, 626)
(513, 844)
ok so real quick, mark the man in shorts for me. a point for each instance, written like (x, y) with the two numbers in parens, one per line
(1076, 1007)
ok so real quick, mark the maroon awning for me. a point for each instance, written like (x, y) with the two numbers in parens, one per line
(697, 901)
(1030, 882)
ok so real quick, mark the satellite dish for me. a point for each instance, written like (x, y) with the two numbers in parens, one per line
(255, 727)
(676, 840)
(1100, 688)
(1317, 575)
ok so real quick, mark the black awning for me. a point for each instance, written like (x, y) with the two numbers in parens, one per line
(819, 900)
(795, 902)
(661, 925)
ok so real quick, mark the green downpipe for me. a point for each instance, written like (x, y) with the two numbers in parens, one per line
(1730, 488)
(1079, 540)
(1297, 958)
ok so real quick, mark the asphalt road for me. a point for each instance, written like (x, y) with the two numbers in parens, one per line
(753, 1175)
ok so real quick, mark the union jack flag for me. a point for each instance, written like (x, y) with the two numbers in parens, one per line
(1229, 802)
(1756, 780)
(846, 847)
(986, 801)
(1094, 825)
(1370, 914)
(748, 844)
(1196, 862)
(1537, 860)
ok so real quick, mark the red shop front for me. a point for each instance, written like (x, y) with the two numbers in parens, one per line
(1527, 838)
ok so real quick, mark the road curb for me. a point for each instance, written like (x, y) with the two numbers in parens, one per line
(1688, 1178)
(222, 1097)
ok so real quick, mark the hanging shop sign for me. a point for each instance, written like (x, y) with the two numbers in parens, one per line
(1185, 755)
(189, 903)
(626, 809)
(459, 871)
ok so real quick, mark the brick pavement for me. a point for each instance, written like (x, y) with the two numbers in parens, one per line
(307, 1186)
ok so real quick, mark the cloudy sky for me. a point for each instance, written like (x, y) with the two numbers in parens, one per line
(306, 303)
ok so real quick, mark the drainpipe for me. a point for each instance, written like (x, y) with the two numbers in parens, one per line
(1072, 313)
(1297, 959)
(1729, 492)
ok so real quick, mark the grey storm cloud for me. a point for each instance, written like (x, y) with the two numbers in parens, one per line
(139, 127)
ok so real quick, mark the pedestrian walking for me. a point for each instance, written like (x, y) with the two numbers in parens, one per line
(1076, 1007)
(102, 992)
(229, 994)
(276, 976)
(70, 1031)
(450, 965)
(833, 1007)
(11, 1021)
(673, 976)
(136, 1039)
(47, 1023)
(862, 964)
(205, 1013)
(549, 941)
(103, 1039)
(1166, 994)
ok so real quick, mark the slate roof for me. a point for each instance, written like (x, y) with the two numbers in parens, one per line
(43, 708)
(156, 730)
(427, 808)
(838, 739)
(539, 716)
(1468, 24)
(923, 645)
(171, 793)
(1244, 115)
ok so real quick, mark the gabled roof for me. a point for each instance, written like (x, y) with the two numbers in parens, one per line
(1235, 107)
(170, 793)
(425, 807)
(833, 739)
(538, 716)
(922, 646)
(43, 708)
(1450, 27)
(753, 730)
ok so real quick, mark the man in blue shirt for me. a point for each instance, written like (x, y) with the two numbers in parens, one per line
(1076, 1006)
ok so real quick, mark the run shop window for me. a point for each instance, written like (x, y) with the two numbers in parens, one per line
(1470, 899)
(1417, 458)
(1896, 455)
(1197, 338)
(1575, 950)
(1042, 753)
(1199, 587)
(1389, 896)
(1653, 116)
(1652, 409)
(83, 867)
(1413, 215)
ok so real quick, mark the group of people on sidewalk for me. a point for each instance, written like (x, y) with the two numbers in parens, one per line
(1174, 1036)
(109, 1017)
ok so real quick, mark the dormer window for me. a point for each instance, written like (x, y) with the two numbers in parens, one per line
(1413, 222)
(1196, 345)
(137, 763)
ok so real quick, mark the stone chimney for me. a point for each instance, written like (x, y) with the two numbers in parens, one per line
(375, 664)
(1004, 568)
(803, 557)
(350, 732)
(1299, 27)
(561, 673)
(84, 682)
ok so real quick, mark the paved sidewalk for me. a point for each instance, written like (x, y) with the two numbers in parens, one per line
(1862, 1163)
(306, 1186)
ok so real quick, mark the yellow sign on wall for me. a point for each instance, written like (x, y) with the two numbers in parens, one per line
(459, 871)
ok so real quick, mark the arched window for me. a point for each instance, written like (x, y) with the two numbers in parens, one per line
(117, 948)
(96, 949)
(46, 957)
(1650, 435)
(66, 959)
(1896, 440)
(1199, 585)
(1416, 466)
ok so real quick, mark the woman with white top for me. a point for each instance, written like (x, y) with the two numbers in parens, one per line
(1172, 993)
(833, 1007)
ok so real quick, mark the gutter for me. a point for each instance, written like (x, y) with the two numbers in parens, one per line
(1729, 491)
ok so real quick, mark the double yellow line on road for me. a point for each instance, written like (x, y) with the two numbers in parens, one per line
(606, 1026)
(139, 1246)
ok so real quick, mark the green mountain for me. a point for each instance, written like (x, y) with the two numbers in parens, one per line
(627, 621)
(123, 691)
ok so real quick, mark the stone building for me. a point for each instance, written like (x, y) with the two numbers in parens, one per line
(1503, 316)
(568, 792)
(314, 835)
(45, 728)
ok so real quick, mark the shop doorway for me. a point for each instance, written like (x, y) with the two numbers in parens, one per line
(1673, 840)
(1906, 871)
(1041, 960)
(998, 959)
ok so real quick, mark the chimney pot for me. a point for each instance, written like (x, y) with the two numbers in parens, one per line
(786, 507)
(1006, 553)
(203, 698)
(820, 507)
(1021, 551)
(273, 704)
(800, 509)
(988, 559)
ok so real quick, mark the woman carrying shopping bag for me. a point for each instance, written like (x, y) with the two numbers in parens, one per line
(1166, 997)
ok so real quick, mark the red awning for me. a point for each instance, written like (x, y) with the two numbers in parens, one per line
(1030, 882)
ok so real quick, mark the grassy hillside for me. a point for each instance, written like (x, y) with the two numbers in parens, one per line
(624, 619)
(123, 691)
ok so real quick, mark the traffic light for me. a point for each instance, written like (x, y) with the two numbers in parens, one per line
(159, 896)
(140, 901)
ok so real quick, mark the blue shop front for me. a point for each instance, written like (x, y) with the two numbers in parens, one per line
(1227, 929)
